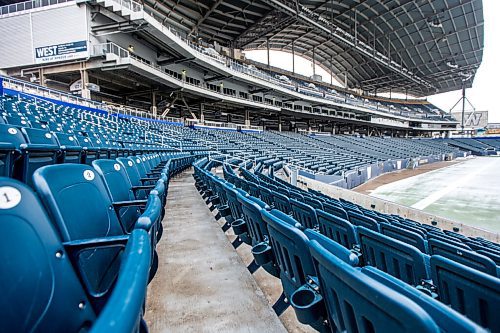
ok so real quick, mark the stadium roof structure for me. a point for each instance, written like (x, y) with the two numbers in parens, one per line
(419, 47)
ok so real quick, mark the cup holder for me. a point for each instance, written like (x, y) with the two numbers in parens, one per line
(239, 227)
(308, 305)
(262, 253)
(224, 210)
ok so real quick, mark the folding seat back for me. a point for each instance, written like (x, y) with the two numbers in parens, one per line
(282, 203)
(315, 203)
(296, 195)
(131, 169)
(253, 189)
(11, 140)
(221, 192)
(392, 256)
(493, 255)
(17, 121)
(456, 235)
(119, 189)
(82, 209)
(406, 236)
(338, 229)
(289, 245)
(363, 221)
(416, 230)
(266, 195)
(447, 239)
(446, 318)
(251, 208)
(463, 256)
(41, 149)
(244, 185)
(44, 293)
(357, 303)
(305, 214)
(91, 153)
(233, 202)
(282, 190)
(335, 210)
(471, 292)
(71, 149)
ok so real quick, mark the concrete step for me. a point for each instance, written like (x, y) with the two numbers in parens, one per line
(202, 285)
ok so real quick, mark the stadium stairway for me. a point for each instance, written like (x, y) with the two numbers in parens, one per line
(202, 285)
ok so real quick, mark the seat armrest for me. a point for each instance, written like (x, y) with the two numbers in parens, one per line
(91, 243)
(123, 310)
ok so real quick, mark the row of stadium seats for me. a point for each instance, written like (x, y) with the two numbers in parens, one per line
(354, 267)
(79, 248)
(36, 132)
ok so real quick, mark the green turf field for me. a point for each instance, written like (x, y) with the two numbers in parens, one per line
(467, 192)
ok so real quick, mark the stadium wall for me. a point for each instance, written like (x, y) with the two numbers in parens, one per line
(352, 178)
(25, 32)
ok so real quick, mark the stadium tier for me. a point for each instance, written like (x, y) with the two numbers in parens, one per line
(326, 252)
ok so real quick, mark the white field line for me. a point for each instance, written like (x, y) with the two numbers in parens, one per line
(435, 196)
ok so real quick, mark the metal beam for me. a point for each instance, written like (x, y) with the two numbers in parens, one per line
(315, 20)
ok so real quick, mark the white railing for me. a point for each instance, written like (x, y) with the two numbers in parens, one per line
(107, 48)
(226, 158)
(29, 5)
(100, 122)
(130, 5)
(162, 140)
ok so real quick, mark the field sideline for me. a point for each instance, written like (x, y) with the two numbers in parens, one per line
(467, 192)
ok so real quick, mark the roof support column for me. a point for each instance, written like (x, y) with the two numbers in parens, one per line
(247, 117)
(314, 61)
(268, 56)
(84, 75)
(279, 123)
(331, 70)
(154, 109)
(41, 76)
(202, 115)
(293, 57)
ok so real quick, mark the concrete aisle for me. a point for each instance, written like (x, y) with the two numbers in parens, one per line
(202, 284)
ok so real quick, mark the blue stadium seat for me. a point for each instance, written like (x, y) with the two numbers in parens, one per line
(315, 203)
(11, 141)
(357, 303)
(41, 149)
(392, 256)
(71, 151)
(463, 256)
(404, 235)
(336, 210)
(468, 291)
(281, 202)
(45, 293)
(447, 319)
(266, 195)
(77, 222)
(338, 229)
(305, 214)
(122, 193)
(362, 220)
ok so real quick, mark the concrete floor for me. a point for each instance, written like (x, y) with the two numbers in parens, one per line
(202, 285)
(467, 192)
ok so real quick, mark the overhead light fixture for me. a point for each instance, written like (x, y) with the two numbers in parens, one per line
(451, 64)
(435, 23)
